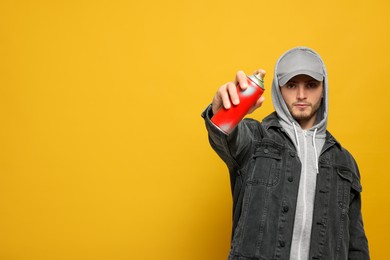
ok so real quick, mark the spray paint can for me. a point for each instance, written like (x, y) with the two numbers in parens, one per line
(227, 119)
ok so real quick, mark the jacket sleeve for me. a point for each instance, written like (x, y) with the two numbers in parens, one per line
(235, 148)
(358, 244)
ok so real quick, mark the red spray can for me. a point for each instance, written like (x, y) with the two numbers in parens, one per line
(227, 119)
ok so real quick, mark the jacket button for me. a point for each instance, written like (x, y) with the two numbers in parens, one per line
(290, 178)
(282, 243)
(266, 150)
(285, 208)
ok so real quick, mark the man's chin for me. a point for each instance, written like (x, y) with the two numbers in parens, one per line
(301, 116)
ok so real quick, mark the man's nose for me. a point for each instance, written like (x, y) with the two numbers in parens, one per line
(301, 93)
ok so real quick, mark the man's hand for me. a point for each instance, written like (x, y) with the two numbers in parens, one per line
(227, 93)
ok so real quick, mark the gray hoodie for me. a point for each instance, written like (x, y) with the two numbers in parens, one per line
(308, 144)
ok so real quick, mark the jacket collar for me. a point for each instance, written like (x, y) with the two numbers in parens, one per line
(272, 121)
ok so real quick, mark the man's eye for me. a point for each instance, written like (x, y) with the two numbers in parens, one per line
(312, 85)
(290, 85)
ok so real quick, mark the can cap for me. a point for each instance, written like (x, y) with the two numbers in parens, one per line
(257, 78)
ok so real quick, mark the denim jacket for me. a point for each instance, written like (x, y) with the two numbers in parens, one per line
(264, 173)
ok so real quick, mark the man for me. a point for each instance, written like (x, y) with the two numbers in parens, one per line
(296, 190)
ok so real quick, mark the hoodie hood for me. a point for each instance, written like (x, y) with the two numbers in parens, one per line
(278, 101)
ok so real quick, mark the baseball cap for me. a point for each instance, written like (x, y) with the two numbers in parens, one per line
(299, 61)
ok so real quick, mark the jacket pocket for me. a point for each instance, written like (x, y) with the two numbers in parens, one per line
(267, 165)
(347, 184)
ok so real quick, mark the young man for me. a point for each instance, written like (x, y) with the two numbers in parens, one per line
(296, 190)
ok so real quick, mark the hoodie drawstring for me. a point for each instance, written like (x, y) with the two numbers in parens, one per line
(315, 149)
(296, 137)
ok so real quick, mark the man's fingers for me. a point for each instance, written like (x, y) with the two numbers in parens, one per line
(225, 99)
(225, 96)
(232, 91)
(241, 79)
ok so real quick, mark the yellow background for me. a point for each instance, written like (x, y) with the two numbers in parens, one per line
(104, 154)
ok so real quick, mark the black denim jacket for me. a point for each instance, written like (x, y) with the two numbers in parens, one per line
(264, 172)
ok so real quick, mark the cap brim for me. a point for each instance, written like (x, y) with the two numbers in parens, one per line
(288, 76)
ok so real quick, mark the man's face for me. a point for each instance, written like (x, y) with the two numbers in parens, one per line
(303, 96)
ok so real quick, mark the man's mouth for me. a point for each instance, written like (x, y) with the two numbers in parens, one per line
(301, 105)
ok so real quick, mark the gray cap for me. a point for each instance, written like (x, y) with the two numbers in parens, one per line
(299, 61)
